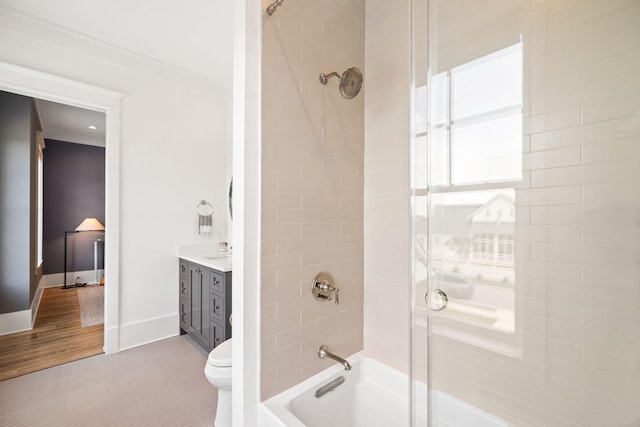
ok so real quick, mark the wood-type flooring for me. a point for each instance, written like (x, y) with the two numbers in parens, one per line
(57, 337)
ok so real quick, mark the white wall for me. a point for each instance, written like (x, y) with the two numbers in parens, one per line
(387, 218)
(174, 142)
(196, 36)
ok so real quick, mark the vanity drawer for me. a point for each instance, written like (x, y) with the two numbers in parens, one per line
(216, 282)
(184, 287)
(217, 306)
(184, 269)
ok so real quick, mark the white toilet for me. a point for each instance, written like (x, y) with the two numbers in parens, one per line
(218, 372)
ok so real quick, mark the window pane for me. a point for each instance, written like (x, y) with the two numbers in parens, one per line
(420, 162)
(421, 110)
(440, 99)
(439, 157)
(487, 84)
(489, 151)
(480, 251)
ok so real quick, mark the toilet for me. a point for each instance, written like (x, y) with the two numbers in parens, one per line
(218, 373)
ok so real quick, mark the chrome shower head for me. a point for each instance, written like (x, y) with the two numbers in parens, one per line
(350, 81)
(273, 6)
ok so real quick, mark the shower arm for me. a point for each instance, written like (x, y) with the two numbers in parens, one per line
(273, 6)
(325, 77)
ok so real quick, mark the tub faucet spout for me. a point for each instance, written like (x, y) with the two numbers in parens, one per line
(323, 352)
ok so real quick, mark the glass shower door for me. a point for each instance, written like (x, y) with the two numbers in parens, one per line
(526, 204)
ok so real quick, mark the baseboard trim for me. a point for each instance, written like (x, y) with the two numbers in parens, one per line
(35, 305)
(111, 339)
(18, 321)
(148, 331)
(57, 279)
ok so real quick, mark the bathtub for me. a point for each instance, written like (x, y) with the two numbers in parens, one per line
(372, 394)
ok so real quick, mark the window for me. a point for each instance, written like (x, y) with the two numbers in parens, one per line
(493, 249)
(476, 121)
(40, 146)
(468, 160)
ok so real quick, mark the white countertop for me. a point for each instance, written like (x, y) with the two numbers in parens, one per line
(207, 255)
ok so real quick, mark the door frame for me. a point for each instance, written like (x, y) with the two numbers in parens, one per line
(36, 84)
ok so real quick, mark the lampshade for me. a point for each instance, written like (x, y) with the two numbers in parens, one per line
(90, 224)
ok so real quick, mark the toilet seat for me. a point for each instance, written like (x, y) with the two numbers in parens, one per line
(221, 355)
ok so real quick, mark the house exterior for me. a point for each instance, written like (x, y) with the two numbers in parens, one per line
(476, 239)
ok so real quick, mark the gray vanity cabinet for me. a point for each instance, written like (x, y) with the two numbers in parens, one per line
(205, 304)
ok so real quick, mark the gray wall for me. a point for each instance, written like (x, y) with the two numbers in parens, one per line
(74, 189)
(17, 199)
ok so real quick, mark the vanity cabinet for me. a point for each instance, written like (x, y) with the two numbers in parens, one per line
(205, 304)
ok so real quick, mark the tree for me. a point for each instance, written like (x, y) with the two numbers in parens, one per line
(460, 245)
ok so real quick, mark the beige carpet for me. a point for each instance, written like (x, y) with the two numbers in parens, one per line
(159, 384)
(91, 299)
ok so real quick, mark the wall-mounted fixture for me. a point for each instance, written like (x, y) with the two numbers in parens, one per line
(231, 198)
(350, 81)
(322, 288)
(273, 6)
(88, 224)
(323, 352)
(205, 218)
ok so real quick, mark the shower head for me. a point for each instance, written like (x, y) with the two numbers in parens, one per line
(273, 6)
(350, 81)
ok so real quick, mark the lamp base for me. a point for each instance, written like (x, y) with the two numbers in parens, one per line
(75, 285)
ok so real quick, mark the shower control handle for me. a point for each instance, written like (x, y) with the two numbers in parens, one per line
(322, 288)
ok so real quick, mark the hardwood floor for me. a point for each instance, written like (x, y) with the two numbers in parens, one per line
(57, 337)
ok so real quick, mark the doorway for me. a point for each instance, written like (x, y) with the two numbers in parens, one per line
(61, 187)
(48, 87)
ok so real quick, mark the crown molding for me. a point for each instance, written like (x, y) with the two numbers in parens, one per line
(43, 31)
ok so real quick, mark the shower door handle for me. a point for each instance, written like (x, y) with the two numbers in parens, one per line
(438, 300)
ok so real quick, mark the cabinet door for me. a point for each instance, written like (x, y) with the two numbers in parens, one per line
(217, 334)
(195, 293)
(200, 316)
(185, 315)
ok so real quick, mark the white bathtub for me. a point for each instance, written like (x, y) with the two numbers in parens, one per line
(372, 394)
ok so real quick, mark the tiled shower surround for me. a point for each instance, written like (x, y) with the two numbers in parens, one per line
(312, 188)
(570, 356)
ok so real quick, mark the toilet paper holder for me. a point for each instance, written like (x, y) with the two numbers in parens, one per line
(322, 288)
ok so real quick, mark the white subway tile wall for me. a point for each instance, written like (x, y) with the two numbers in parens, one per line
(577, 222)
(312, 187)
